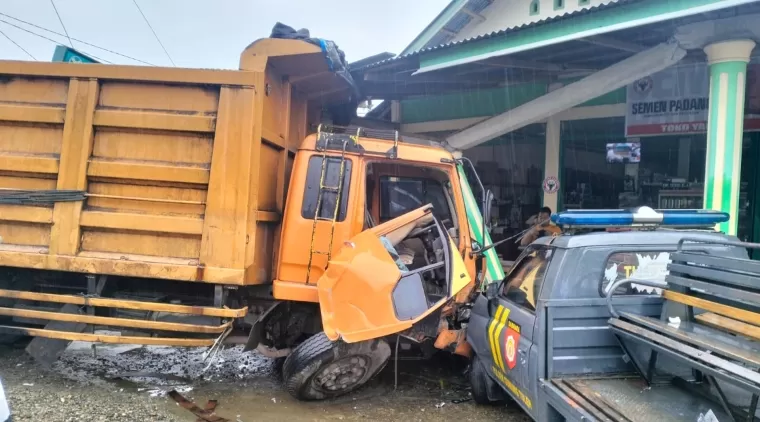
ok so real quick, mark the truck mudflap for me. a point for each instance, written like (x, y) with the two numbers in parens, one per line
(369, 292)
(213, 332)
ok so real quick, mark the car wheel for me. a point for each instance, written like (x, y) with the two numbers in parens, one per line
(480, 384)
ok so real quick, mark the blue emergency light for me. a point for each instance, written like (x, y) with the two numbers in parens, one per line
(639, 217)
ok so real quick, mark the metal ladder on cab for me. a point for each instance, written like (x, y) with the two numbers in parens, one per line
(323, 189)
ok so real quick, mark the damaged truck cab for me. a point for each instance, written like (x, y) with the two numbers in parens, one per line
(190, 207)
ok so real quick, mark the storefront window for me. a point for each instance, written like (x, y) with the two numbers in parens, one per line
(603, 169)
(512, 167)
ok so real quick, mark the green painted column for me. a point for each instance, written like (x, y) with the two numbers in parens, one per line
(725, 127)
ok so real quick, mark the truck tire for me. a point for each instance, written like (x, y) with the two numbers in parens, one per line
(481, 384)
(321, 369)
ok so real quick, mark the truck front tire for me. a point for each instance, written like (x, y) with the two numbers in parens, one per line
(321, 369)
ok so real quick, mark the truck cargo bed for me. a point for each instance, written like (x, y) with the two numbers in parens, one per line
(181, 173)
(615, 397)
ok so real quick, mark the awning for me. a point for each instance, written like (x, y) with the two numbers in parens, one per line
(595, 27)
(662, 56)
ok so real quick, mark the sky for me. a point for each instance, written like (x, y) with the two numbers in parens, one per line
(208, 33)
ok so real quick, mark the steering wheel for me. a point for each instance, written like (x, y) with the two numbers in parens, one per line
(417, 231)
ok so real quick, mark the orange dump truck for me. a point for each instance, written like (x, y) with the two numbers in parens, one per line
(191, 207)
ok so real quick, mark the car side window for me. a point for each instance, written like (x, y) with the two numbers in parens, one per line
(329, 198)
(523, 284)
(638, 265)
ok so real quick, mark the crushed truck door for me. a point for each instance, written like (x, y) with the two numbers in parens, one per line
(386, 279)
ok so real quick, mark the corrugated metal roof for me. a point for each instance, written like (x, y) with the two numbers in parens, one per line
(458, 22)
(549, 20)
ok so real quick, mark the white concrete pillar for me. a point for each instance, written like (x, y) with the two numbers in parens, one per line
(396, 111)
(552, 164)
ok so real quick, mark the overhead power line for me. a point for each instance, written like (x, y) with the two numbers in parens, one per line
(62, 25)
(17, 44)
(75, 39)
(50, 39)
(154, 32)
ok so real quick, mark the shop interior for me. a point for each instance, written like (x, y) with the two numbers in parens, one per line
(663, 172)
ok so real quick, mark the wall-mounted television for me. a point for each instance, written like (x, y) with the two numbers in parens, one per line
(624, 152)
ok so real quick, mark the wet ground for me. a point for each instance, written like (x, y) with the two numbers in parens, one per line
(130, 384)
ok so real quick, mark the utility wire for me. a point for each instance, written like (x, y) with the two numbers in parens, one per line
(51, 40)
(17, 44)
(74, 39)
(154, 32)
(61, 21)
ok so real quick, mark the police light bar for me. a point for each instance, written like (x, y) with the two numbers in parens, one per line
(642, 216)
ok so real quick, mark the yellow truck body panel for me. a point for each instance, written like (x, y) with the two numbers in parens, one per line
(185, 170)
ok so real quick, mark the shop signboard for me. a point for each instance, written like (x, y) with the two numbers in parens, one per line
(675, 101)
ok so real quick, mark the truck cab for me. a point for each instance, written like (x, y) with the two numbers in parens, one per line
(197, 208)
(548, 336)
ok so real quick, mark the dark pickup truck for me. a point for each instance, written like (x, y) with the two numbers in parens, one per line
(652, 326)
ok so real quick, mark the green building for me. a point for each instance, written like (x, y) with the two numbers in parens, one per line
(590, 103)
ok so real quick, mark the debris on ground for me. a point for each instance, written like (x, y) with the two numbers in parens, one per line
(128, 383)
(204, 415)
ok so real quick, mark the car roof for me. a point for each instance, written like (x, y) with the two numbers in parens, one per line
(638, 237)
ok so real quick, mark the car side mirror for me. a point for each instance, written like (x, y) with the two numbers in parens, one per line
(492, 294)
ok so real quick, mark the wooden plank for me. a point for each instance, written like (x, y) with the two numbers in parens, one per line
(141, 171)
(718, 308)
(719, 275)
(233, 175)
(124, 304)
(715, 289)
(26, 164)
(31, 114)
(724, 263)
(676, 348)
(127, 73)
(76, 148)
(697, 339)
(114, 322)
(26, 214)
(154, 120)
(99, 338)
(730, 325)
(142, 222)
(28, 255)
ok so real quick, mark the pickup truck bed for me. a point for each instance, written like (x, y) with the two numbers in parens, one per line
(629, 399)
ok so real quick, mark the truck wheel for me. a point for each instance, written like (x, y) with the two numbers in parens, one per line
(321, 369)
(479, 382)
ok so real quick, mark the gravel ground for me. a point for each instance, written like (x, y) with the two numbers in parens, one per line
(119, 384)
